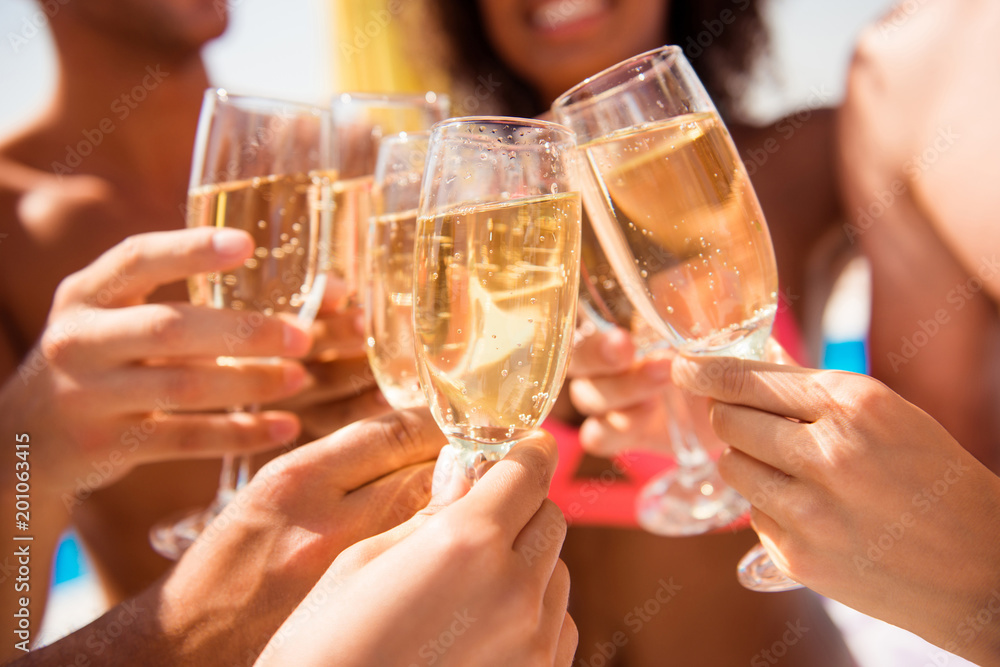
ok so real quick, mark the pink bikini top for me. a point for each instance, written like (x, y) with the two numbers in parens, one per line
(609, 500)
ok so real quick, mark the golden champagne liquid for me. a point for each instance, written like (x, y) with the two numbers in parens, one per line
(683, 226)
(288, 217)
(495, 307)
(351, 211)
(603, 301)
(390, 309)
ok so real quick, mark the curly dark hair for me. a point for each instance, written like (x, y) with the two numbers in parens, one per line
(722, 60)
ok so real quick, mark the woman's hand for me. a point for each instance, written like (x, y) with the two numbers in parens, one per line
(477, 582)
(115, 381)
(861, 496)
(258, 559)
(628, 402)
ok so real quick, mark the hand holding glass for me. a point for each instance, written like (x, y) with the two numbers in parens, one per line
(674, 210)
(263, 166)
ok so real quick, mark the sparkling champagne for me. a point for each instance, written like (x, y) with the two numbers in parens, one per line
(351, 211)
(288, 217)
(390, 307)
(695, 239)
(495, 307)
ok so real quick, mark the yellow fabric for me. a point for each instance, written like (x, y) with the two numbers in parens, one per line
(372, 53)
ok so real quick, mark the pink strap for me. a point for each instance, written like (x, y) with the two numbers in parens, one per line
(609, 500)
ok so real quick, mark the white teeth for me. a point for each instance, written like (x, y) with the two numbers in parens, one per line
(560, 12)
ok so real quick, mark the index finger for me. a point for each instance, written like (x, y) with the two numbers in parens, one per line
(366, 450)
(510, 492)
(782, 390)
(129, 272)
(602, 353)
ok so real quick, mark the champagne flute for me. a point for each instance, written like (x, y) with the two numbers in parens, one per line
(673, 208)
(264, 166)
(691, 499)
(388, 285)
(360, 120)
(496, 279)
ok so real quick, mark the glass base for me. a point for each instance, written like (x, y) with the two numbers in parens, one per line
(173, 537)
(757, 572)
(688, 501)
(472, 457)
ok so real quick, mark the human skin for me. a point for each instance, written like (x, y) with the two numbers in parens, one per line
(614, 571)
(259, 558)
(474, 581)
(915, 136)
(861, 496)
(129, 89)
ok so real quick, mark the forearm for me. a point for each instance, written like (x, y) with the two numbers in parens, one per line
(129, 634)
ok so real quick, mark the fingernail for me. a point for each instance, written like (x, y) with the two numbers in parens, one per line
(283, 430)
(231, 242)
(449, 482)
(296, 341)
(294, 376)
(611, 346)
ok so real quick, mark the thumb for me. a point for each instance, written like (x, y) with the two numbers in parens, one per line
(449, 484)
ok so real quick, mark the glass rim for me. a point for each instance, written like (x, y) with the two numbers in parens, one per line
(261, 103)
(563, 100)
(431, 98)
(529, 123)
(400, 138)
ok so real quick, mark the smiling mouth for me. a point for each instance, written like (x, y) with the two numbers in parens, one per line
(558, 14)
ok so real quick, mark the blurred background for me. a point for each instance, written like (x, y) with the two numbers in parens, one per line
(296, 49)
